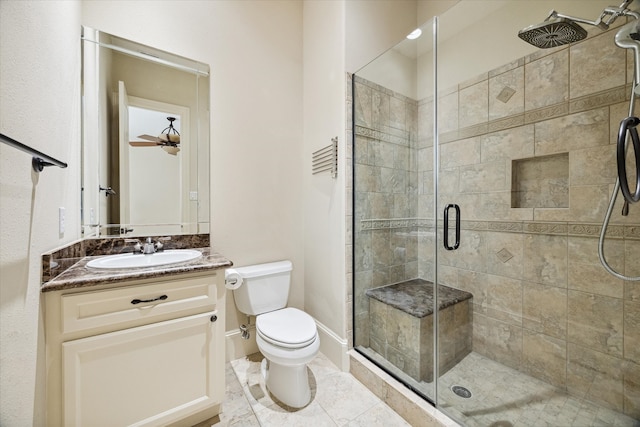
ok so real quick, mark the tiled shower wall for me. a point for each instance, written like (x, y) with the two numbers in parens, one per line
(386, 190)
(542, 302)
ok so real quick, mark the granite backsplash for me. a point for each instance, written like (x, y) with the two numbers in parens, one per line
(60, 259)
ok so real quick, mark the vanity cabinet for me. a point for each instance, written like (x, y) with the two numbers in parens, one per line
(144, 353)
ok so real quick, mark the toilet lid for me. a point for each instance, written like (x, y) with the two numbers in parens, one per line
(288, 327)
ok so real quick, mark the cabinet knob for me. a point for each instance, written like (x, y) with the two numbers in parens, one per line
(213, 318)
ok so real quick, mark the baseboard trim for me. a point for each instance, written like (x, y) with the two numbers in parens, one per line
(236, 347)
(331, 345)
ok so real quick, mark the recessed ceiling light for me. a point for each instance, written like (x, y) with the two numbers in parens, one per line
(415, 34)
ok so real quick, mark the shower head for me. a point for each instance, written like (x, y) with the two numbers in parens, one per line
(553, 33)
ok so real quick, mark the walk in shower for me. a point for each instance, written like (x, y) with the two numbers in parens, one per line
(486, 165)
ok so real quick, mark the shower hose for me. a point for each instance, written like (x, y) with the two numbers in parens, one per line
(627, 128)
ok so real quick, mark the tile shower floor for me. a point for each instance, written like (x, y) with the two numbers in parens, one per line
(337, 399)
(504, 397)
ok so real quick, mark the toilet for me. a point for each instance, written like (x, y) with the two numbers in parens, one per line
(286, 337)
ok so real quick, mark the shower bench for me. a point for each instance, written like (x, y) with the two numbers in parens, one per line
(401, 322)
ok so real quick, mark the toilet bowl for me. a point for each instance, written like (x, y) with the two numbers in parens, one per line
(287, 337)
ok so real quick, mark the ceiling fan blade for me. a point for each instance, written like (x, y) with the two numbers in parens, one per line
(143, 144)
(149, 138)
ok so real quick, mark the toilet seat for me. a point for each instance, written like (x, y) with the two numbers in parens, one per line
(288, 327)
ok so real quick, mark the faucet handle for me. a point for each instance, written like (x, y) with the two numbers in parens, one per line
(159, 245)
(137, 247)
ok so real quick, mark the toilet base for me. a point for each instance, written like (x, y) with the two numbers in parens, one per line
(289, 384)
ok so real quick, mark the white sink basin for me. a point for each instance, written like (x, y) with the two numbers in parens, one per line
(131, 260)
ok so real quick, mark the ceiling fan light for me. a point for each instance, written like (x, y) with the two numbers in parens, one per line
(169, 137)
(171, 149)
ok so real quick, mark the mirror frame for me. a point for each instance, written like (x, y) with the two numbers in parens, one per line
(100, 131)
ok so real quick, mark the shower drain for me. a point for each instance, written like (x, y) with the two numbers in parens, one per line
(461, 391)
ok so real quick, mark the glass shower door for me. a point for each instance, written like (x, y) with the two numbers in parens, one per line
(393, 226)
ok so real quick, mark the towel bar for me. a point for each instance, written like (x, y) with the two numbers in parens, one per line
(39, 160)
(326, 159)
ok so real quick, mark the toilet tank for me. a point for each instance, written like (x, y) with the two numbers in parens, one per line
(265, 287)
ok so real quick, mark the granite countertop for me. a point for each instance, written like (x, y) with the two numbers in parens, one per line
(79, 275)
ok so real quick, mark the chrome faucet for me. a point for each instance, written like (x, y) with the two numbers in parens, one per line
(149, 247)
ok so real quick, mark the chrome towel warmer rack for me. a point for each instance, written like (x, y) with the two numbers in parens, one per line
(39, 160)
(326, 159)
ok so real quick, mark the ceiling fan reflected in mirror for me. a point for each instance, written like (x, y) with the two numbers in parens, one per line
(169, 139)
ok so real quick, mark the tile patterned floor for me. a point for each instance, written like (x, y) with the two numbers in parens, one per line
(501, 397)
(337, 399)
(505, 397)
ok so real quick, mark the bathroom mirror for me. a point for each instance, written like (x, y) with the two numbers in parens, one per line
(145, 140)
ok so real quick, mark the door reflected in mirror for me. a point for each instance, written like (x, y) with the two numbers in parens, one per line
(145, 140)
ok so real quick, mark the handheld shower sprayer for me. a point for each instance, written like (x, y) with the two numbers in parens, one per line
(628, 37)
(628, 127)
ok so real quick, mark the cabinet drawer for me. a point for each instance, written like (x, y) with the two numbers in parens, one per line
(137, 305)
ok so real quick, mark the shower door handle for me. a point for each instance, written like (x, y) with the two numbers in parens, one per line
(446, 227)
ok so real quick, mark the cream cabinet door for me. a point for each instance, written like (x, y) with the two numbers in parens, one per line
(145, 376)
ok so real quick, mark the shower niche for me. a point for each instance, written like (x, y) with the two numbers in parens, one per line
(540, 182)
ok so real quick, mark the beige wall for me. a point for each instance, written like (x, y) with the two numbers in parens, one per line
(256, 116)
(487, 21)
(360, 31)
(261, 185)
(324, 197)
(39, 106)
(256, 160)
(266, 205)
(373, 27)
(470, 32)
